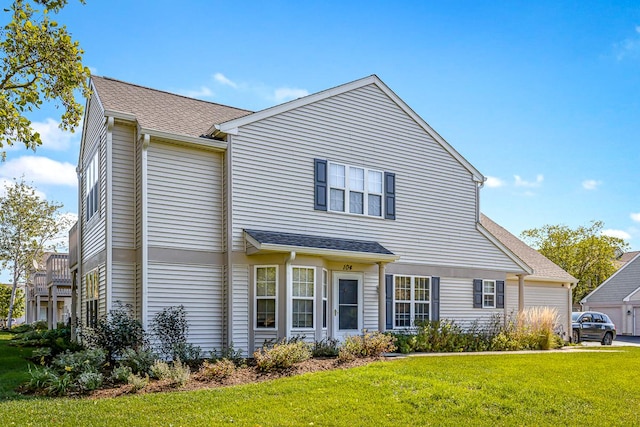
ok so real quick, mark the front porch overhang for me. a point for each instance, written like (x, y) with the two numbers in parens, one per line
(332, 248)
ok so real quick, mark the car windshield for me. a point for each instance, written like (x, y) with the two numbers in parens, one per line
(574, 316)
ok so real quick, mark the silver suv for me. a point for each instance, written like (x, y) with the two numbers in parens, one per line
(592, 326)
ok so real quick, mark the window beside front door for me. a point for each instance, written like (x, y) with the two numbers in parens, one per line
(266, 291)
(302, 297)
(411, 300)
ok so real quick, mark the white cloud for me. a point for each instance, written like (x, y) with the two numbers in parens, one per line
(628, 48)
(222, 79)
(40, 170)
(591, 184)
(53, 138)
(519, 182)
(203, 92)
(493, 182)
(283, 94)
(635, 216)
(621, 234)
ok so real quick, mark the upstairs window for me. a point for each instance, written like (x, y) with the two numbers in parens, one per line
(355, 190)
(92, 187)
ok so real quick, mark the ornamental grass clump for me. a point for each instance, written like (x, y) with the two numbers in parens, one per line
(540, 323)
(281, 355)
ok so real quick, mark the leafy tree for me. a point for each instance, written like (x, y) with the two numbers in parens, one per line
(584, 252)
(27, 225)
(5, 298)
(39, 62)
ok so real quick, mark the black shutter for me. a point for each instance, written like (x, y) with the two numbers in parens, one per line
(477, 293)
(435, 298)
(320, 193)
(499, 293)
(388, 285)
(389, 195)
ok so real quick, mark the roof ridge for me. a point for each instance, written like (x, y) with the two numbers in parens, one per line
(169, 93)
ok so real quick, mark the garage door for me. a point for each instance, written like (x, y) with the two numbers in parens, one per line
(614, 313)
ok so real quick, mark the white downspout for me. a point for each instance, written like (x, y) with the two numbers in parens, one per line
(289, 287)
(144, 247)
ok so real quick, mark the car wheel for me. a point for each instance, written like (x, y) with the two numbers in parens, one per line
(607, 339)
(575, 336)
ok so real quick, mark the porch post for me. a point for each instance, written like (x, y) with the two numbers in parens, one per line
(54, 307)
(49, 315)
(520, 293)
(74, 303)
(382, 298)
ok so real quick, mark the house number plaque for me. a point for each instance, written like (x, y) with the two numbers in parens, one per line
(347, 267)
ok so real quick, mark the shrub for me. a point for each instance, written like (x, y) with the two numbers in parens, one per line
(188, 353)
(120, 374)
(281, 356)
(88, 381)
(170, 328)
(39, 378)
(92, 360)
(117, 331)
(371, 344)
(137, 381)
(41, 355)
(138, 361)
(218, 370)
(59, 385)
(179, 373)
(228, 353)
(160, 370)
(20, 329)
(328, 347)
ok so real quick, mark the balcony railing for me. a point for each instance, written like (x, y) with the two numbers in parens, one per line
(58, 269)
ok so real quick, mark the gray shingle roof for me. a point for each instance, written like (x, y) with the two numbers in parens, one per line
(163, 111)
(307, 241)
(543, 267)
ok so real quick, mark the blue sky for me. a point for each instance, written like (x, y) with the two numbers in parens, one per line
(542, 97)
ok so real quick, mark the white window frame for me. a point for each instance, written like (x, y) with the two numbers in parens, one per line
(325, 299)
(92, 297)
(366, 191)
(264, 297)
(485, 293)
(304, 298)
(412, 301)
(92, 180)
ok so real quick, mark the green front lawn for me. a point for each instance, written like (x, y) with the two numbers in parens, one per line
(565, 388)
(13, 368)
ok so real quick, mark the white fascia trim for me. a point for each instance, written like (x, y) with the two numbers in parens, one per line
(504, 249)
(628, 297)
(120, 115)
(360, 256)
(210, 144)
(585, 299)
(109, 214)
(233, 125)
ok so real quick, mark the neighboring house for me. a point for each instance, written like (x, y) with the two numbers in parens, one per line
(548, 285)
(48, 291)
(619, 296)
(326, 215)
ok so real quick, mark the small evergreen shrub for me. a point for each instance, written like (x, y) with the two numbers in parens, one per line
(160, 370)
(116, 332)
(328, 347)
(281, 356)
(138, 361)
(218, 370)
(89, 381)
(120, 374)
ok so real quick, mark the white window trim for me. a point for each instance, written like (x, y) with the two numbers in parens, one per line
(412, 302)
(290, 299)
(256, 298)
(92, 172)
(347, 190)
(494, 293)
(325, 298)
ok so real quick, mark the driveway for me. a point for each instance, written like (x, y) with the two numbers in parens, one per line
(620, 341)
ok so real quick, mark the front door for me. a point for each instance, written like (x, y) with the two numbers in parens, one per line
(347, 305)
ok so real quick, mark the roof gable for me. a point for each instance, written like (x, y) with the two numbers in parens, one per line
(159, 110)
(232, 126)
(543, 268)
(620, 286)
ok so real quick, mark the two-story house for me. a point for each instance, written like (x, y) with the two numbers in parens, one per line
(323, 216)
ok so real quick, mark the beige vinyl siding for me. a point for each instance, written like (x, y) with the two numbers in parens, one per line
(199, 289)
(456, 303)
(552, 295)
(123, 187)
(511, 297)
(93, 232)
(184, 198)
(435, 196)
(241, 307)
(370, 299)
(123, 283)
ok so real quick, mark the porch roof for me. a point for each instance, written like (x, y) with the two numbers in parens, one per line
(329, 247)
